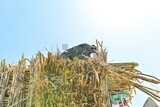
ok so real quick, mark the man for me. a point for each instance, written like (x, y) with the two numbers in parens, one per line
(81, 51)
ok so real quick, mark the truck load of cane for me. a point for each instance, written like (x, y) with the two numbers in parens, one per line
(51, 81)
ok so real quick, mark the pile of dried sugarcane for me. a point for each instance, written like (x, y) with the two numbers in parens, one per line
(53, 82)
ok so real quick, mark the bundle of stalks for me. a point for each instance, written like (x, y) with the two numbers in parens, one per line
(53, 82)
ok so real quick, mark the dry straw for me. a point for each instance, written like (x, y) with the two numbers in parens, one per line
(53, 82)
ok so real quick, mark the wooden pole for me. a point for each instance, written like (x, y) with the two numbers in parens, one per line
(105, 88)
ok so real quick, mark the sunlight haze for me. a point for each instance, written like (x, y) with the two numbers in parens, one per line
(129, 29)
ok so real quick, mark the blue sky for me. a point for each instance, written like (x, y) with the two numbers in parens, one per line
(129, 29)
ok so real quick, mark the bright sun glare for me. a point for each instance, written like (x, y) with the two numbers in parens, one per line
(123, 12)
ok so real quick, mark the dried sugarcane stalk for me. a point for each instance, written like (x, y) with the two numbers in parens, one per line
(49, 81)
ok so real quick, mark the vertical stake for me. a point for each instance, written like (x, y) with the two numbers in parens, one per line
(107, 94)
